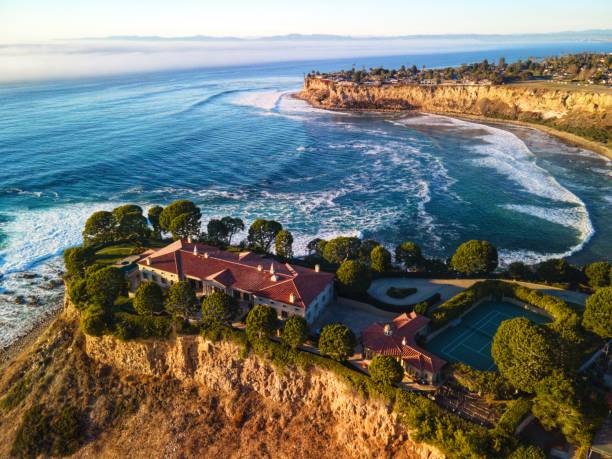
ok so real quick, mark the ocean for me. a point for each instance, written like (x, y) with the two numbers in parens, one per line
(234, 141)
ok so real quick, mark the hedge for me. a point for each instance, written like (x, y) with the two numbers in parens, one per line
(459, 304)
(130, 326)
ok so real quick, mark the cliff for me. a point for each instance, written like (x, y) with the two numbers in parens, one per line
(581, 112)
(189, 397)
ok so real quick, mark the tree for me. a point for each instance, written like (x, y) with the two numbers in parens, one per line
(217, 231)
(386, 370)
(527, 452)
(598, 274)
(233, 225)
(408, 254)
(175, 209)
(261, 322)
(380, 259)
(185, 225)
(181, 300)
(153, 215)
(598, 312)
(354, 276)
(76, 259)
(341, 249)
(99, 228)
(522, 353)
(119, 212)
(337, 341)
(148, 299)
(105, 285)
(518, 270)
(132, 226)
(262, 233)
(365, 249)
(93, 320)
(557, 270)
(219, 308)
(316, 247)
(283, 243)
(475, 257)
(560, 404)
(295, 332)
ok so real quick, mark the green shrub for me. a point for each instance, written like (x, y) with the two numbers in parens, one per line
(131, 326)
(483, 382)
(598, 312)
(386, 370)
(94, 320)
(400, 293)
(380, 259)
(598, 274)
(46, 433)
(516, 411)
(106, 285)
(77, 292)
(421, 308)
(67, 432)
(33, 435)
(528, 452)
(76, 259)
(16, 394)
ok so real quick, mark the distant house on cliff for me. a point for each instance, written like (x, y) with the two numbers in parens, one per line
(248, 277)
(398, 339)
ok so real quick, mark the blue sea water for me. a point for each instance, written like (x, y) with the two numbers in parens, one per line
(234, 141)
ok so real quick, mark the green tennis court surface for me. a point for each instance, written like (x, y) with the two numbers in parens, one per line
(470, 341)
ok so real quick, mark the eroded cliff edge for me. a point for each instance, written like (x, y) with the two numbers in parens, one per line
(190, 397)
(582, 116)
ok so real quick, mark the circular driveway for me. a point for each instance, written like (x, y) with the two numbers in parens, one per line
(447, 288)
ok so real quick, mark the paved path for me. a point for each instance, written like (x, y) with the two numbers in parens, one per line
(447, 288)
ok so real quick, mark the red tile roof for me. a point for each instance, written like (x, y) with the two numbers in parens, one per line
(244, 271)
(400, 341)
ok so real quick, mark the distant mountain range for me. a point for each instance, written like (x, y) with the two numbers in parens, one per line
(585, 35)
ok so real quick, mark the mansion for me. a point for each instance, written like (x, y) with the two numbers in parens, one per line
(249, 277)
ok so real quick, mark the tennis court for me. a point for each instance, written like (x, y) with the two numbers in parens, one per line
(470, 341)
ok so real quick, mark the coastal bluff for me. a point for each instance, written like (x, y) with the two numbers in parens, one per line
(581, 115)
(365, 428)
(188, 396)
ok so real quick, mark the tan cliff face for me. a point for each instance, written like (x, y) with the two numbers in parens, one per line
(366, 428)
(566, 109)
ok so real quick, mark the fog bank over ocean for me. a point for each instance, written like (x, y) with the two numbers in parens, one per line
(92, 57)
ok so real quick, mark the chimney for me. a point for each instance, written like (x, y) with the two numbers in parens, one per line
(205, 254)
(195, 249)
(274, 278)
(189, 239)
(404, 341)
(291, 298)
(387, 330)
(317, 268)
(272, 268)
(148, 262)
(259, 268)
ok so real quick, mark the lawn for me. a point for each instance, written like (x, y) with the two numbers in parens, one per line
(113, 253)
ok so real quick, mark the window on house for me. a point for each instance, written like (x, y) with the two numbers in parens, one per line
(284, 314)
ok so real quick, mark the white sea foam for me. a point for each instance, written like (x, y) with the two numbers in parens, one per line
(508, 155)
(264, 100)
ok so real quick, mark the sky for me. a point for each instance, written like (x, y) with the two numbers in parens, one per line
(23, 21)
